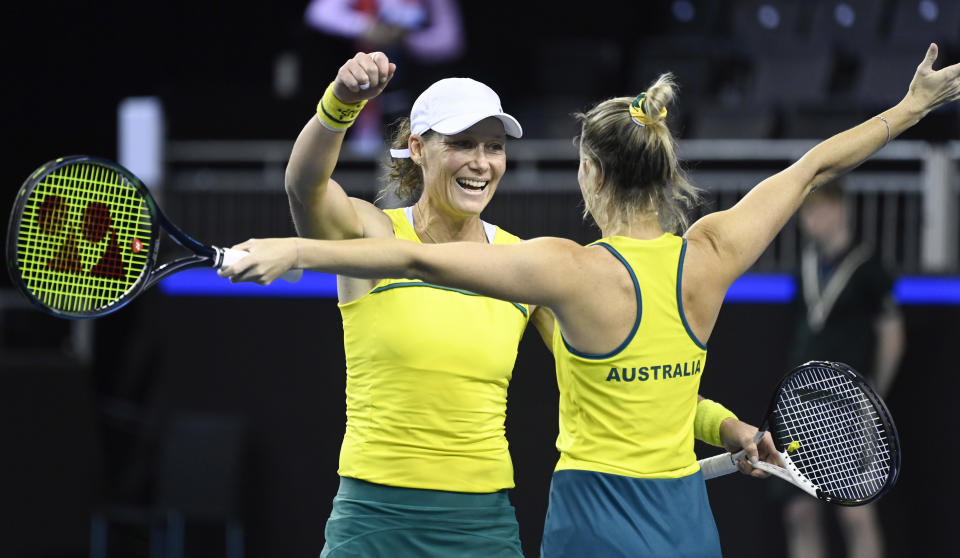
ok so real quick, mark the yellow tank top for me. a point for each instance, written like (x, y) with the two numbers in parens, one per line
(427, 375)
(630, 412)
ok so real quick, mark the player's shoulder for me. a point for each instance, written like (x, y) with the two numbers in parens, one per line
(568, 253)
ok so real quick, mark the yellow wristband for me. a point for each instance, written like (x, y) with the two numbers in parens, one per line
(334, 114)
(706, 425)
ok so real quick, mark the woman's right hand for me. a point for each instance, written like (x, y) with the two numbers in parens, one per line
(363, 77)
(931, 88)
(268, 259)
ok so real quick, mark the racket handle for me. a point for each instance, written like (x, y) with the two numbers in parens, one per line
(719, 465)
(229, 256)
(725, 463)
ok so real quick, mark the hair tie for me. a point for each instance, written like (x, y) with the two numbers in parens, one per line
(638, 115)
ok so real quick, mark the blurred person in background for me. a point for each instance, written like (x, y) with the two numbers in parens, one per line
(412, 33)
(846, 312)
(424, 465)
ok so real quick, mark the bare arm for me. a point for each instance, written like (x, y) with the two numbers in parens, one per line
(737, 435)
(729, 242)
(320, 207)
(544, 320)
(542, 271)
(891, 342)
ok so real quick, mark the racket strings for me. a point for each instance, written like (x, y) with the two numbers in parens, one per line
(844, 458)
(843, 443)
(84, 238)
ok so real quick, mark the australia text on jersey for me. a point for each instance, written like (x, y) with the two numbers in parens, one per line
(657, 372)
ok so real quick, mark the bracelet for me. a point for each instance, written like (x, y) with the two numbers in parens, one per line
(881, 117)
(706, 425)
(334, 114)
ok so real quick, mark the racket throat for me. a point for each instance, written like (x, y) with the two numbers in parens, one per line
(790, 473)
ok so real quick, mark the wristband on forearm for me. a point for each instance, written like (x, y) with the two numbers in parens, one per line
(706, 424)
(334, 114)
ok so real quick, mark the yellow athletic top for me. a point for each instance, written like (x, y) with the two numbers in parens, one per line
(630, 412)
(427, 375)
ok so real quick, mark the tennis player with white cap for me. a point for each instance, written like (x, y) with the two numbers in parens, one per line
(441, 108)
(424, 465)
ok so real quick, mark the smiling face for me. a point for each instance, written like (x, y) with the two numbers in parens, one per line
(461, 171)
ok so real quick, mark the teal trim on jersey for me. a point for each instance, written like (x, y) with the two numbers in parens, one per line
(636, 323)
(683, 316)
(442, 288)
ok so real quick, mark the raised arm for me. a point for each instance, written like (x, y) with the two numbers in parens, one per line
(320, 207)
(728, 242)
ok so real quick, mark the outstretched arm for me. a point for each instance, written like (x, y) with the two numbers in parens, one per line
(542, 271)
(730, 241)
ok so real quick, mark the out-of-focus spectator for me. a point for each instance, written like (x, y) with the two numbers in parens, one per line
(414, 33)
(847, 313)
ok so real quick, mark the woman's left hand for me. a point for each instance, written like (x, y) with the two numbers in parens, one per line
(269, 259)
(737, 435)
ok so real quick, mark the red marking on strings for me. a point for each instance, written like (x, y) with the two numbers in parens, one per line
(67, 258)
(137, 246)
(110, 265)
(96, 221)
(51, 214)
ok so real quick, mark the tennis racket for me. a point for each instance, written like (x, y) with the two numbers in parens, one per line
(83, 239)
(835, 436)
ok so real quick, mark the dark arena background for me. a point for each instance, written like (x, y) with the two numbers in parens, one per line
(227, 406)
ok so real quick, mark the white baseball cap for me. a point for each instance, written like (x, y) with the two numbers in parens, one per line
(452, 105)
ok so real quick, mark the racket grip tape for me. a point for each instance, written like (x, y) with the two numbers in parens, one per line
(726, 463)
(719, 465)
(229, 256)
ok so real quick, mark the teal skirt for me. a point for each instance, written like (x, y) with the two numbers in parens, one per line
(373, 520)
(598, 514)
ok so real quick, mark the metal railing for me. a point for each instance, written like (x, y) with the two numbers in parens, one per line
(904, 198)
